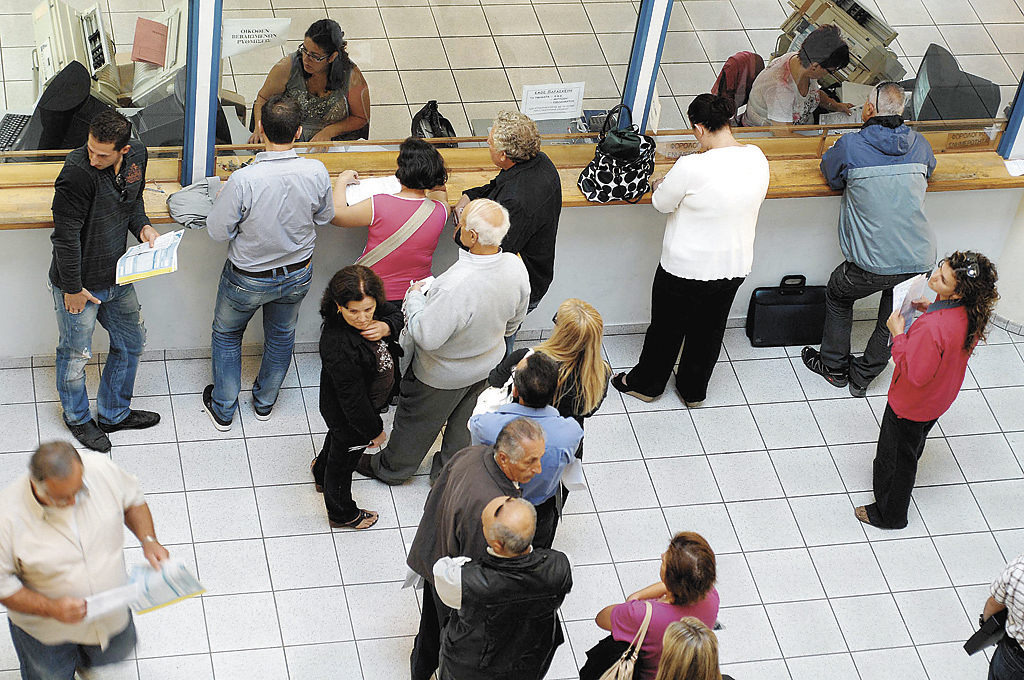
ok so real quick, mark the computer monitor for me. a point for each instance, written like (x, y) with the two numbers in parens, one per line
(63, 113)
(942, 91)
(64, 35)
(162, 123)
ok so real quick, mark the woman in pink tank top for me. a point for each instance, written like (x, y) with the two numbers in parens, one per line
(422, 175)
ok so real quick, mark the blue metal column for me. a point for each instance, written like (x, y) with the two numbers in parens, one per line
(201, 97)
(651, 26)
(1011, 144)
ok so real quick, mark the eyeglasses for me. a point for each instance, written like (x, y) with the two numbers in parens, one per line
(497, 510)
(878, 89)
(969, 268)
(315, 57)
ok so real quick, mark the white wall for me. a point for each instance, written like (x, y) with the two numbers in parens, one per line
(605, 255)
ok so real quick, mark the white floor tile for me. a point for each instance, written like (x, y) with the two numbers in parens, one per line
(826, 520)
(313, 615)
(252, 664)
(241, 622)
(870, 622)
(747, 636)
(787, 425)
(193, 424)
(937, 465)
(323, 661)
(288, 416)
(371, 620)
(16, 386)
(999, 502)
(948, 509)
(848, 570)
(180, 629)
(193, 666)
(594, 587)
(218, 464)
(302, 561)
(845, 421)
(660, 434)
(969, 414)
(19, 430)
(745, 476)
(170, 518)
(385, 658)
(681, 481)
(985, 457)
(765, 525)
(291, 509)
(635, 534)
(947, 661)
(727, 429)
(997, 365)
(768, 381)
(386, 547)
(806, 471)
(934, 616)
(734, 581)
(970, 559)
(157, 466)
(1007, 404)
(223, 515)
(231, 567)
(806, 628)
(711, 521)
(911, 564)
(784, 575)
(902, 662)
(618, 486)
(834, 666)
(1010, 542)
(281, 460)
(854, 464)
(610, 438)
(579, 537)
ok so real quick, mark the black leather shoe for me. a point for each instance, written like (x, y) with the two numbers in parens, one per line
(136, 420)
(91, 436)
(363, 466)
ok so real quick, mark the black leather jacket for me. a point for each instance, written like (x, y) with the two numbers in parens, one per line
(507, 627)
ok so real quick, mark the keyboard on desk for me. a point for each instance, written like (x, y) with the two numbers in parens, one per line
(10, 129)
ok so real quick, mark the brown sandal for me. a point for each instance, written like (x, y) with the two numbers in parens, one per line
(861, 513)
(319, 487)
(364, 520)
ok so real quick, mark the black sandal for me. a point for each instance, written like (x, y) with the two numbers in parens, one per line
(364, 520)
(619, 383)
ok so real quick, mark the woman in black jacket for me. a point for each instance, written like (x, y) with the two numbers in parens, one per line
(357, 352)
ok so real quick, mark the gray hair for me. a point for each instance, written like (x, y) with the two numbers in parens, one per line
(514, 542)
(516, 134)
(488, 219)
(53, 460)
(510, 439)
(889, 98)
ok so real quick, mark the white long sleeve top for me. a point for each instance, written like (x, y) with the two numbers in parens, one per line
(712, 200)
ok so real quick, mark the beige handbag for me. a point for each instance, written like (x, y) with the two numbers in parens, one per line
(625, 666)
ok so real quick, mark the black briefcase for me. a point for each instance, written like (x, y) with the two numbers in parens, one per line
(791, 313)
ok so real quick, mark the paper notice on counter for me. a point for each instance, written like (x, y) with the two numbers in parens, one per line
(550, 102)
(141, 262)
(904, 294)
(371, 186)
(150, 44)
(1015, 167)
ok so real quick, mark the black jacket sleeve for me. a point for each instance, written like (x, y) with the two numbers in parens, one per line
(391, 315)
(139, 218)
(485, 191)
(500, 374)
(344, 370)
(73, 193)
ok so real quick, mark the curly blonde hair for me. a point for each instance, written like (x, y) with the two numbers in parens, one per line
(516, 135)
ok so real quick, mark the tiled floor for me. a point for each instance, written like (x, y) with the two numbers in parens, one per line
(769, 470)
(474, 56)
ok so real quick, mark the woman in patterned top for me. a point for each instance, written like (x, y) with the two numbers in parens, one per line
(331, 90)
(357, 374)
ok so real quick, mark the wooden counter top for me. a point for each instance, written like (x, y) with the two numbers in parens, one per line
(26, 190)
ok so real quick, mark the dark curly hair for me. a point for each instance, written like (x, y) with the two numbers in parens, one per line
(110, 126)
(689, 568)
(352, 283)
(826, 47)
(420, 165)
(329, 37)
(976, 287)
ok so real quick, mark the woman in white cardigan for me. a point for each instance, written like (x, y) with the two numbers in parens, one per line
(712, 200)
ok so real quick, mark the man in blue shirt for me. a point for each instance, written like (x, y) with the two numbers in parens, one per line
(268, 212)
(533, 389)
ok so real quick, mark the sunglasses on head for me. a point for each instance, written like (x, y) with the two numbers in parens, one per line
(969, 268)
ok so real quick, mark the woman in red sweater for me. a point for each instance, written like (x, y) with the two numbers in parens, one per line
(931, 361)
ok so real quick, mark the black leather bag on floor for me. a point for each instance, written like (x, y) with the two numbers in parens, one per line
(791, 313)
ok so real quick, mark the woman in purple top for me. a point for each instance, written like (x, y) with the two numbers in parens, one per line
(686, 588)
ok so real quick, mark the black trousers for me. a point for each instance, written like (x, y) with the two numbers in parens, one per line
(333, 471)
(900, 444)
(426, 651)
(547, 521)
(848, 284)
(683, 310)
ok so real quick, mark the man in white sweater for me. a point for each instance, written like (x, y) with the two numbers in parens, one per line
(459, 327)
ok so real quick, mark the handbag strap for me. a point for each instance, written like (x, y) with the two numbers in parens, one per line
(638, 639)
(617, 109)
(393, 242)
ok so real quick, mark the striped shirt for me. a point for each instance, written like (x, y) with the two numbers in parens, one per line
(1008, 590)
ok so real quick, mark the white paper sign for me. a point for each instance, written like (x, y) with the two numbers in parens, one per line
(548, 102)
(244, 35)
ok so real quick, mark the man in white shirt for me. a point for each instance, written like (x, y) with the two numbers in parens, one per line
(61, 542)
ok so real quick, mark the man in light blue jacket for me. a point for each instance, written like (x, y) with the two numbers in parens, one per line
(533, 390)
(883, 171)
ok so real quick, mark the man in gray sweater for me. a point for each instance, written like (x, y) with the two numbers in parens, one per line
(459, 327)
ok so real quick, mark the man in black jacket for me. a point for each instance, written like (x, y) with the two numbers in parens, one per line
(530, 189)
(97, 201)
(450, 524)
(503, 625)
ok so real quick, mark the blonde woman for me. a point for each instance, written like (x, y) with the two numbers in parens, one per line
(689, 651)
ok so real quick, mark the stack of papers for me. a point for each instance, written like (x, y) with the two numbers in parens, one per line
(371, 186)
(141, 262)
(147, 589)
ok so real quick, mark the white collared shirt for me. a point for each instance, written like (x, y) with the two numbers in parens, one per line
(68, 552)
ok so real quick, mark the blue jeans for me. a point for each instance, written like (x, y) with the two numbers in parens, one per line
(238, 298)
(510, 340)
(40, 661)
(119, 313)
(1007, 663)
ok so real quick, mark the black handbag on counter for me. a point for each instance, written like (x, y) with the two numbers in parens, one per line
(622, 165)
(791, 313)
(428, 123)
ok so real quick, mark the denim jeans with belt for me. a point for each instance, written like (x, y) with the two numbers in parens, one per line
(1007, 661)
(40, 661)
(120, 313)
(238, 298)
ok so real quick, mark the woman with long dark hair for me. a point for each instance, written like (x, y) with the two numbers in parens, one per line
(712, 200)
(358, 371)
(330, 89)
(931, 362)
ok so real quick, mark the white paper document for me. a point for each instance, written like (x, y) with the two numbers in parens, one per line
(154, 589)
(550, 102)
(109, 601)
(572, 476)
(904, 294)
(1015, 167)
(141, 262)
(371, 186)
